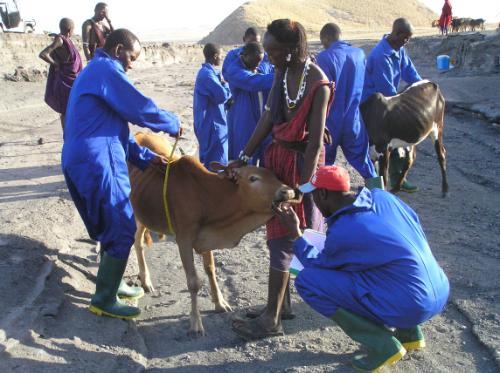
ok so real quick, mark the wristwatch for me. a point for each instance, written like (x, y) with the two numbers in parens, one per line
(243, 157)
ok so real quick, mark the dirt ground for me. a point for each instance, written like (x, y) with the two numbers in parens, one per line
(48, 265)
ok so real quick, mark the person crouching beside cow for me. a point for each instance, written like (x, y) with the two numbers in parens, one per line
(97, 144)
(388, 64)
(382, 276)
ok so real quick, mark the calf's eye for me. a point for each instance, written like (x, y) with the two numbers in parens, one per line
(253, 179)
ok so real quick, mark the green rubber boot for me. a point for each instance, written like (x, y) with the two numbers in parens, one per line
(384, 349)
(125, 291)
(105, 301)
(129, 292)
(411, 339)
(395, 168)
(375, 182)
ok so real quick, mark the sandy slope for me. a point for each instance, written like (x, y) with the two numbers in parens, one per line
(47, 264)
(351, 15)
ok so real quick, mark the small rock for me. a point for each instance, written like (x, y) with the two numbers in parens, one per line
(40, 141)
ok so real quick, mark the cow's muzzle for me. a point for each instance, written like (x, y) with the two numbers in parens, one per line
(284, 194)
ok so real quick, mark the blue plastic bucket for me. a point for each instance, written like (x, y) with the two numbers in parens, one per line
(443, 62)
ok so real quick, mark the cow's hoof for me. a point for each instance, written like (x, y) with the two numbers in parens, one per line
(222, 307)
(147, 286)
(196, 333)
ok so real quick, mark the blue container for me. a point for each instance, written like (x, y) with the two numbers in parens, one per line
(443, 62)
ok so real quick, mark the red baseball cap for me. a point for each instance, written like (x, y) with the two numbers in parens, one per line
(332, 178)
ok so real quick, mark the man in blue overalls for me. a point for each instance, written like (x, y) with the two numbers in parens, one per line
(388, 64)
(376, 268)
(211, 93)
(345, 65)
(97, 145)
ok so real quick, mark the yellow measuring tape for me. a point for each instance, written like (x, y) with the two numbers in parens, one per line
(165, 188)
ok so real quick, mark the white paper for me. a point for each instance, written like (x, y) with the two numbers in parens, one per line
(315, 238)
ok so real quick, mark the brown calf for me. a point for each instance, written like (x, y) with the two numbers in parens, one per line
(208, 212)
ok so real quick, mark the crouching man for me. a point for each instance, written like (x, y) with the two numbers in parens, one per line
(376, 269)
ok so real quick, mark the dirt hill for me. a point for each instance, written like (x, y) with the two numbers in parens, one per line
(313, 14)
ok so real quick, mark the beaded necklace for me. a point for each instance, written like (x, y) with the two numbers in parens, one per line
(292, 103)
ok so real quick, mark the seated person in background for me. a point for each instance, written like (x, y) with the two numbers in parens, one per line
(210, 95)
(376, 268)
(65, 65)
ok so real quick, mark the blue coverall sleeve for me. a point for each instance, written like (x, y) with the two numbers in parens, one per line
(249, 81)
(305, 252)
(383, 77)
(408, 71)
(322, 62)
(138, 155)
(217, 91)
(134, 107)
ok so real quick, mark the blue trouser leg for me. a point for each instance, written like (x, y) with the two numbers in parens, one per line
(101, 197)
(326, 290)
(355, 145)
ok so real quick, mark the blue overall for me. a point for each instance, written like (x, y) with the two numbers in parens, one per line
(345, 65)
(210, 126)
(376, 263)
(97, 145)
(250, 91)
(386, 68)
(265, 66)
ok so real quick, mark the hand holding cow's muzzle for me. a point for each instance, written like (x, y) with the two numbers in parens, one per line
(297, 198)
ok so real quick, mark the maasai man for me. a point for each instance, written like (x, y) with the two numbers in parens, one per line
(388, 64)
(250, 36)
(97, 145)
(250, 90)
(295, 115)
(446, 17)
(345, 65)
(95, 30)
(65, 64)
(210, 95)
(376, 268)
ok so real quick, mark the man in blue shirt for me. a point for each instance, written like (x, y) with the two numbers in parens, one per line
(250, 90)
(97, 146)
(211, 93)
(250, 36)
(388, 64)
(345, 65)
(376, 269)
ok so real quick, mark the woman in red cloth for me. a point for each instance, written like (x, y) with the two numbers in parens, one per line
(295, 114)
(446, 17)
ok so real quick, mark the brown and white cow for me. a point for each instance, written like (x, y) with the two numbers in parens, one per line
(405, 120)
(208, 210)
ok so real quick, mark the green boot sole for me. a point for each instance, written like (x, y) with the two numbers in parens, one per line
(100, 312)
(127, 292)
(411, 339)
(390, 361)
